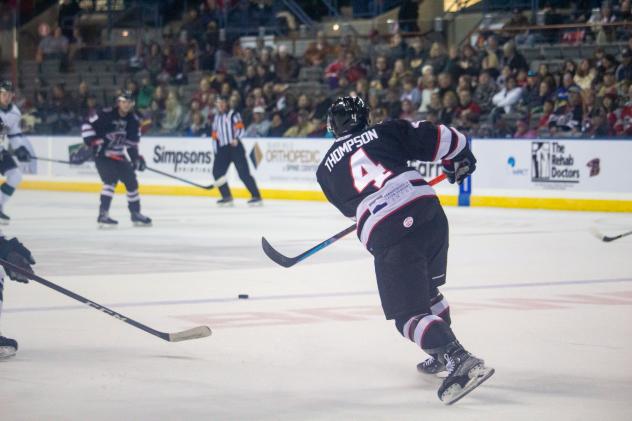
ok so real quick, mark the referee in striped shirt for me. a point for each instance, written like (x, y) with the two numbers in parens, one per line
(228, 128)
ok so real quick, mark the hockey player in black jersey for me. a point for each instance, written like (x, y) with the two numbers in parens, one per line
(110, 133)
(14, 252)
(401, 222)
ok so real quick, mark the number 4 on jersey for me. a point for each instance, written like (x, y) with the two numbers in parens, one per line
(364, 171)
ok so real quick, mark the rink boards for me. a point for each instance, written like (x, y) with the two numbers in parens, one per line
(546, 174)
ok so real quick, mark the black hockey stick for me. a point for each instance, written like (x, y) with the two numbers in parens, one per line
(59, 161)
(218, 182)
(185, 335)
(606, 238)
(286, 261)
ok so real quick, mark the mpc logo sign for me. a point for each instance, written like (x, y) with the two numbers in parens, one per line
(551, 162)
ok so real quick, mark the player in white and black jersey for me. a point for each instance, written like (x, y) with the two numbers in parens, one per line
(10, 137)
(365, 174)
(14, 252)
(111, 133)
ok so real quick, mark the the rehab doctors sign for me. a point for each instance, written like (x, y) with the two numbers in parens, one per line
(516, 165)
(553, 162)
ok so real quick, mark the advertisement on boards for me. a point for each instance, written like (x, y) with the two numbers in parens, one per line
(552, 165)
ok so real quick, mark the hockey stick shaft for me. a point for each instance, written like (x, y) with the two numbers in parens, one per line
(619, 236)
(608, 239)
(209, 187)
(184, 180)
(198, 332)
(59, 161)
(286, 261)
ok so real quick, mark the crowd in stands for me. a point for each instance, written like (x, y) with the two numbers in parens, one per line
(486, 87)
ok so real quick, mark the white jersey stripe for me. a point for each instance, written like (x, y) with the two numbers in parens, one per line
(439, 307)
(408, 325)
(444, 142)
(423, 325)
(396, 193)
(462, 141)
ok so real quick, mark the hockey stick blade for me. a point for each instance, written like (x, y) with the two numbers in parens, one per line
(277, 257)
(187, 335)
(596, 233)
(607, 239)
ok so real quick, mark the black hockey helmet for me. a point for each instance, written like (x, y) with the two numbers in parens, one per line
(347, 115)
(6, 86)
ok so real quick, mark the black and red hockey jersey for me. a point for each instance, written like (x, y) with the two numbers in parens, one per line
(367, 177)
(118, 133)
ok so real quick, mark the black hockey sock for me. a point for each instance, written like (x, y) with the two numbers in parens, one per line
(107, 192)
(134, 207)
(133, 201)
(105, 203)
(428, 331)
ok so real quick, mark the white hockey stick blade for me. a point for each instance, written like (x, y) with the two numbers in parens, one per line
(186, 335)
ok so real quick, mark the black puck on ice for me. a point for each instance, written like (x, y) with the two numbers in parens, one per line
(243, 296)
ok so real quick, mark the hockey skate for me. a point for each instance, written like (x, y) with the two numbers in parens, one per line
(465, 373)
(432, 365)
(140, 220)
(255, 202)
(105, 222)
(4, 218)
(225, 202)
(8, 347)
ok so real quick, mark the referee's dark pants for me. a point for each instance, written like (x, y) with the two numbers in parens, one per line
(237, 155)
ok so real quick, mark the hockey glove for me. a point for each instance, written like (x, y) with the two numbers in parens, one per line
(98, 147)
(14, 252)
(460, 167)
(139, 163)
(23, 154)
(81, 155)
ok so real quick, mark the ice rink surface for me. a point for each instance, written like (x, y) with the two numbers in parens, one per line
(532, 292)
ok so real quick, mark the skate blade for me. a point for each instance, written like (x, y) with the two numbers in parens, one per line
(7, 352)
(4, 222)
(477, 376)
(255, 205)
(107, 226)
(142, 224)
(226, 205)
